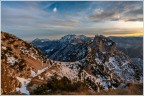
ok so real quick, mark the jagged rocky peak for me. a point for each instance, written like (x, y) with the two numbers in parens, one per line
(74, 38)
(104, 54)
(75, 47)
(67, 37)
(104, 45)
(68, 48)
(99, 39)
(71, 36)
(37, 40)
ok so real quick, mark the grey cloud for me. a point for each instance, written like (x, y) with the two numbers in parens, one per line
(109, 15)
(25, 14)
(127, 11)
(22, 17)
(66, 22)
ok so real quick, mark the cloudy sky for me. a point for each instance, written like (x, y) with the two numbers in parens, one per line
(52, 20)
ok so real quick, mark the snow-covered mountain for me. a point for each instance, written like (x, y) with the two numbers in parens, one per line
(131, 46)
(68, 48)
(74, 47)
(103, 67)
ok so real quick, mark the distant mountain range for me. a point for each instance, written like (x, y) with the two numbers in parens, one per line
(94, 62)
(132, 46)
(54, 49)
(68, 48)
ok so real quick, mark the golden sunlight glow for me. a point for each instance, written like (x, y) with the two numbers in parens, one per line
(123, 35)
(123, 24)
(136, 33)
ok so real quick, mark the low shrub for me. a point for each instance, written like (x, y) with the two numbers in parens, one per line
(55, 86)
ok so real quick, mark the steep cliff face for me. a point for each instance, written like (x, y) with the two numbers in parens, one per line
(24, 67)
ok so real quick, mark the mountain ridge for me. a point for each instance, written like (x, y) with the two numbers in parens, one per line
(103, 67)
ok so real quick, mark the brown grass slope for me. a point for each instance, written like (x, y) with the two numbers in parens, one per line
(132, 89)
(11, 47)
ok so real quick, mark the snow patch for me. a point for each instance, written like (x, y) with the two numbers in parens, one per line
(11, 60)
(125, 63)
(65, 71)
(40, 71)
(49, 74)
(24, 83)
(114, 63)
(33, 74)
(109, 43)
(5, 48)
(49, 50)
(41, 78)
(33, 56)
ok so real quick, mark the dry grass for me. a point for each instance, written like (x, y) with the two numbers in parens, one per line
(132, 89)
(82, 92)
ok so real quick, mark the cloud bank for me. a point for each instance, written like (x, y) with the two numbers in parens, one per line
(32, 19)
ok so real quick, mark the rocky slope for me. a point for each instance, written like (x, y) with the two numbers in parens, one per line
(103, 67)
(19, 60)
(131, 46)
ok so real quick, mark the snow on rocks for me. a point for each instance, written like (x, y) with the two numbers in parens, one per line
(114, 63)
(33, 56)
(99, 80)
(70, 70)
(65, 71)
(121, 68)
(24, 83)
(24, 50)
(98, 60)
(125, 63)
(11, 60)
(3, 47)
(49, 75)
(49, 50)
(40, 71)
(41, 78)
(109, 43)
(33, 74)
(28, 52)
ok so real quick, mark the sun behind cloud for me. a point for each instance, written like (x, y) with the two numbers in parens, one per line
(55, 10)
